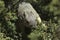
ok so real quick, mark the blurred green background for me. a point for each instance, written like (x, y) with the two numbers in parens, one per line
(49, 11)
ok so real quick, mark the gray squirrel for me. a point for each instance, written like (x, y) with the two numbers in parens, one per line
(28, 18)
(28, 15)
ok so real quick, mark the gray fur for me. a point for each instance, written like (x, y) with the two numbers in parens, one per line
(28, 15)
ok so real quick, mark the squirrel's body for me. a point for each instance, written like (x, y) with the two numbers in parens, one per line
(28, 15)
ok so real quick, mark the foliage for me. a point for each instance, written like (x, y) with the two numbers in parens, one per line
(49, 11)
(7, 23)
